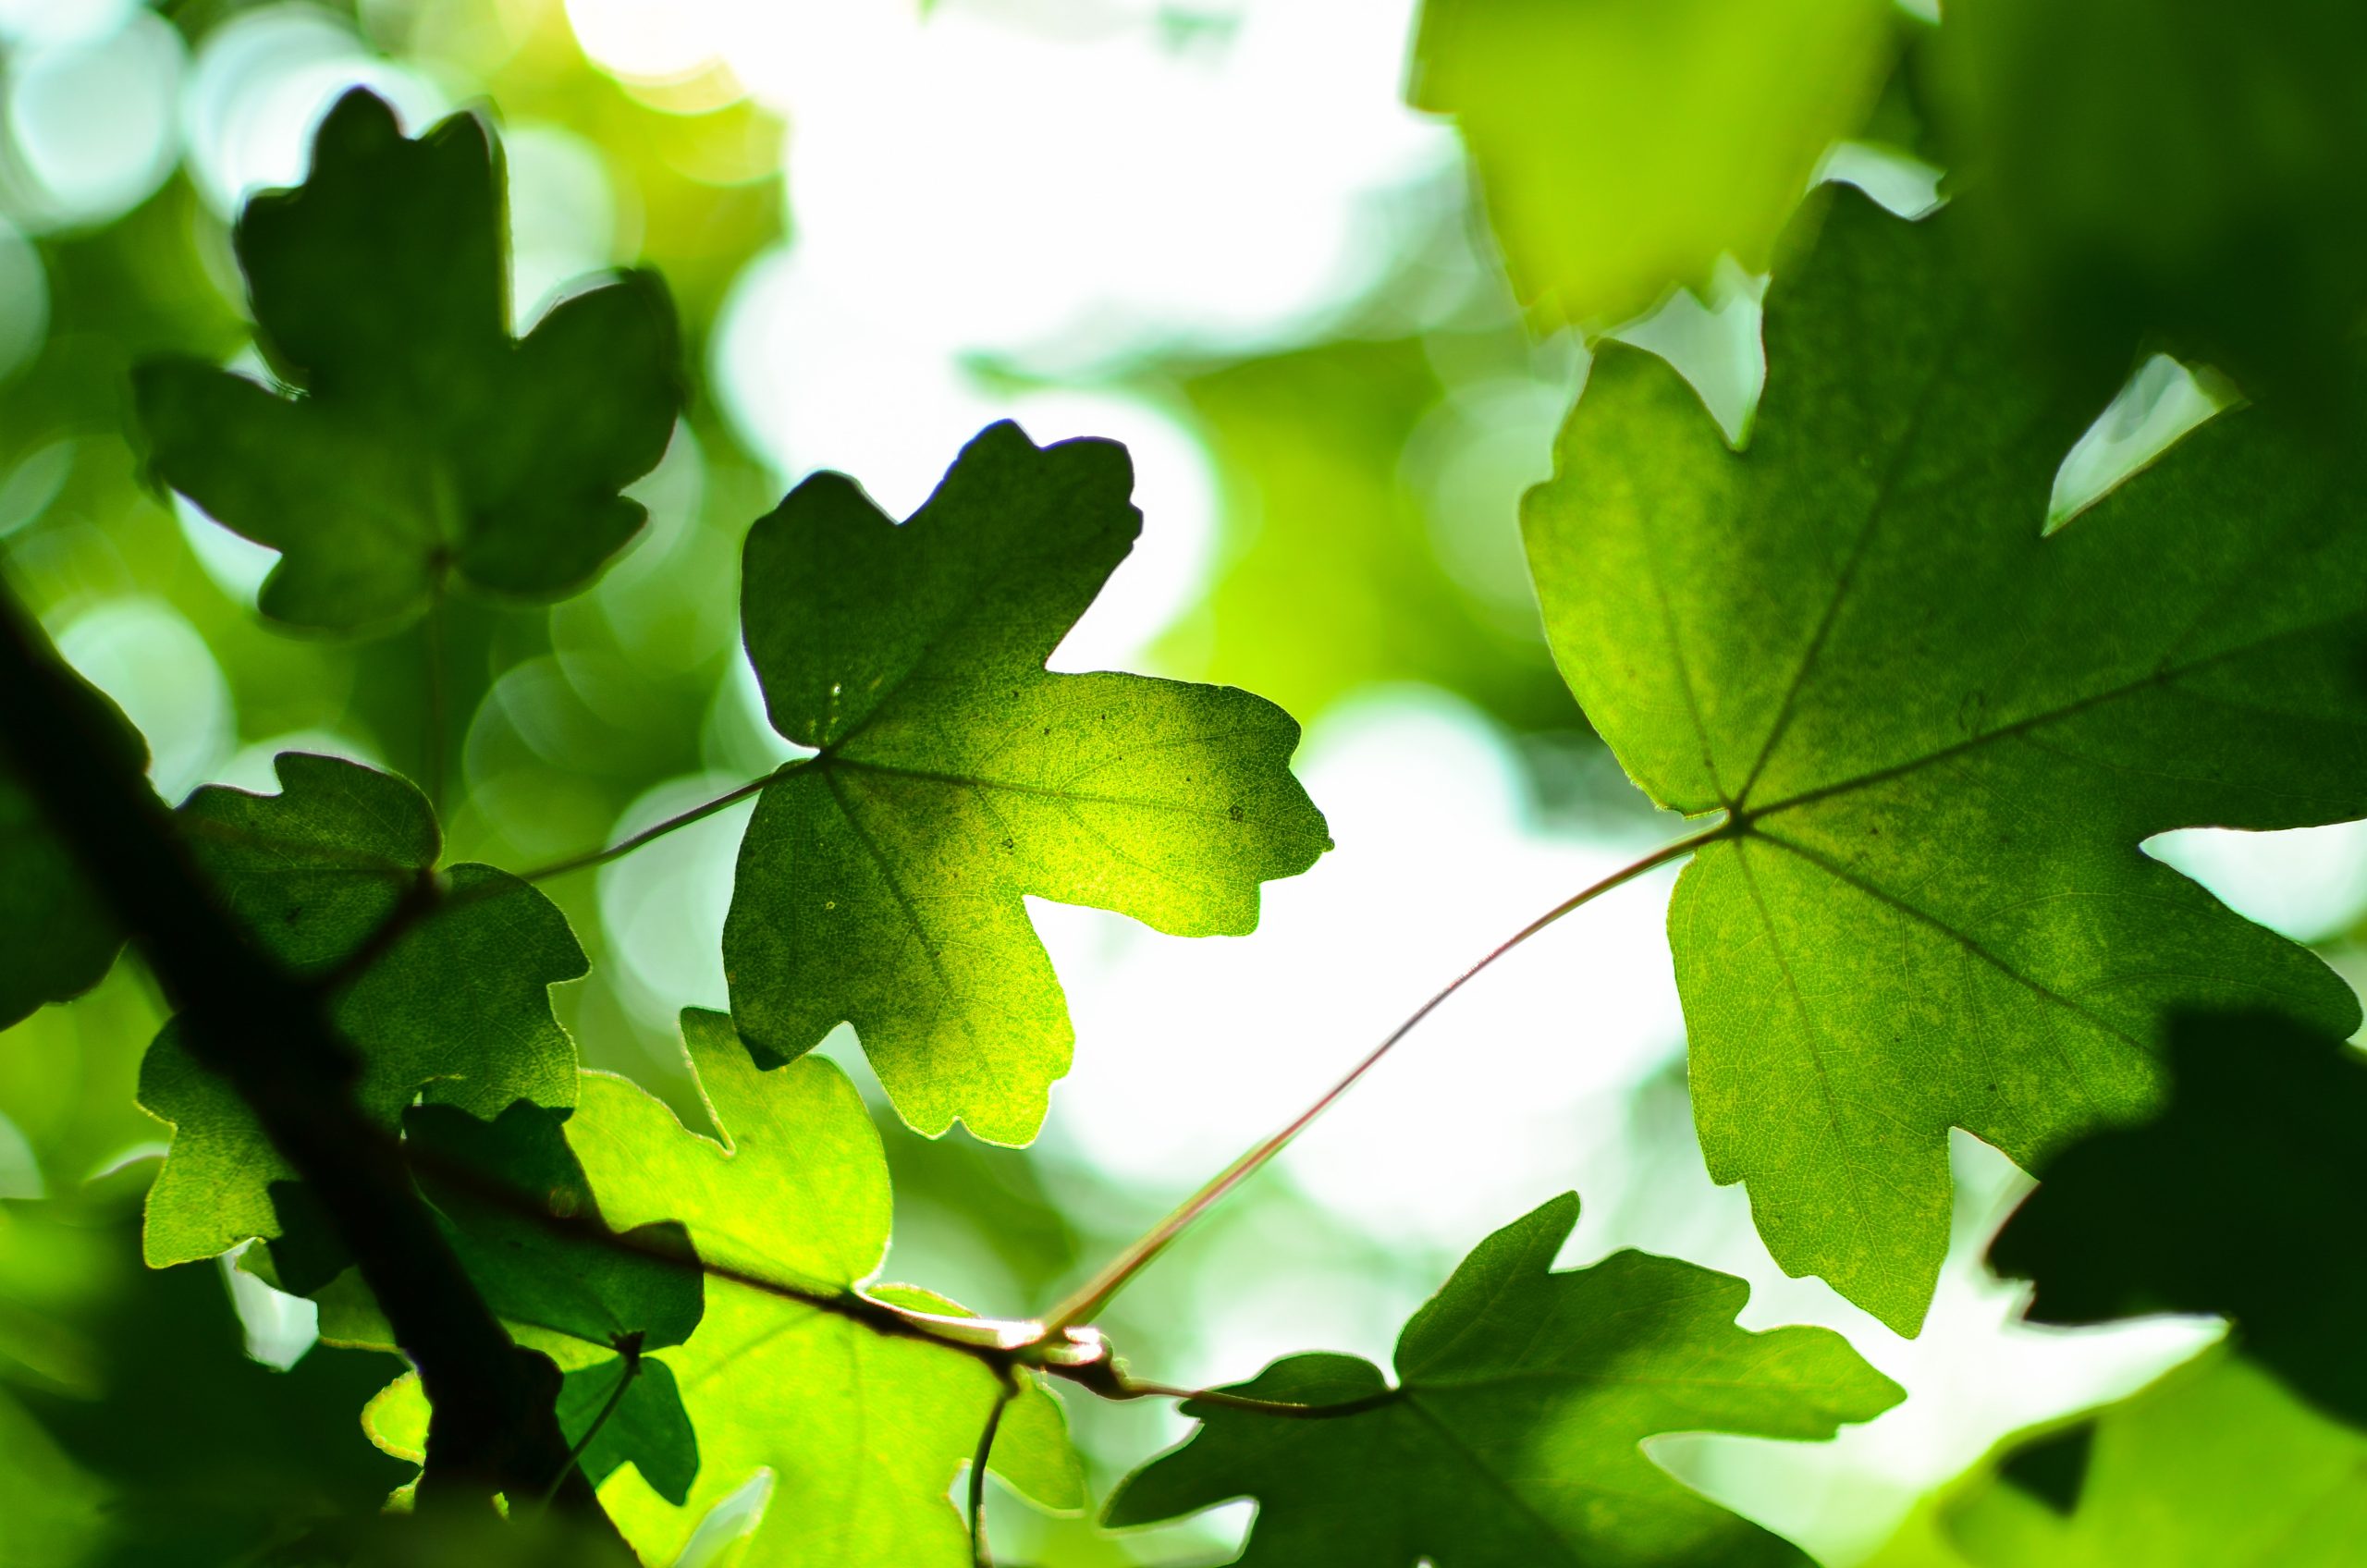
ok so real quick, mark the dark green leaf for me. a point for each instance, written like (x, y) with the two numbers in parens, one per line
(2180, 173)
(2232, 1202)
(648, 1427)
(880, 882)
(425, 443)
(458, 1007)
(1940, 736)
(1512, 1436)
(494, 1181)
(592, 1305)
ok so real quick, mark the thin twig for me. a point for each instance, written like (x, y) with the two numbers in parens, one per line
(1059, 1346)
(1089, 1298)
(995, 1342)
(1132, 1388)
(631, 1359)
(626, 847)
(979, 1556)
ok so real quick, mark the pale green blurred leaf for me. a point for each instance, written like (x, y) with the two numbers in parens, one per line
(1624, 145)
(2214, 1465)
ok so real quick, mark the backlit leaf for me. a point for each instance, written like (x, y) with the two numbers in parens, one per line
(1940, 736)
(880, 881)
(2214, 1465)
(863, 1433)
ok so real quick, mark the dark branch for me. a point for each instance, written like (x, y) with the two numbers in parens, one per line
(270, 1036)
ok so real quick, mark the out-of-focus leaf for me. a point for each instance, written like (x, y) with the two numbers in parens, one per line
(1330, 582)
(2172, 173)
(1939, 736)
(56, 939)
(201, 1456)
(520, 1537)
(2214, 1465)
(457, 1007)
(55, 1512)
(863, 1433)
(1624, 145)
(427, 445)
(2237, 1200)
(880, 882)
(1514, 1434)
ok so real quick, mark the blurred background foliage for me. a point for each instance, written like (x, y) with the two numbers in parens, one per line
(1329, 267)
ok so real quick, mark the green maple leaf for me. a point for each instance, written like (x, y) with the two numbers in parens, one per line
(457, 1007)
(2213, 1464)
(1625, 148)
(863, 1433)
(1512, 1434)
(880, 881)
(2225, 1203)
(427, 444)
(56, 939)
(1939, 736)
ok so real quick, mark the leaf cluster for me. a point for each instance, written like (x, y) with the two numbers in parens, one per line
(1924, 730)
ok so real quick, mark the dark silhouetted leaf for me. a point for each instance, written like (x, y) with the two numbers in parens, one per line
(2171, 172)
(648, 1429)
(2232, 1202)
(190, 1455)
